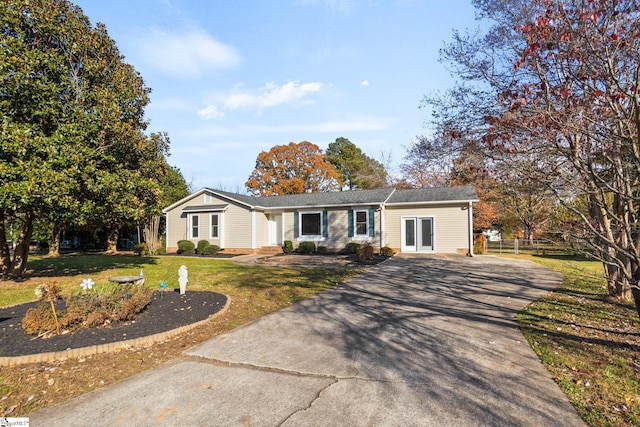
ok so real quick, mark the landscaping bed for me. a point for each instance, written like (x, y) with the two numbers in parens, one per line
(168, 310)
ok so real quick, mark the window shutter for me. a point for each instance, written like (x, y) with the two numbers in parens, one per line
(325, 224)
(372, 222)
(296, 224)
(350, 220)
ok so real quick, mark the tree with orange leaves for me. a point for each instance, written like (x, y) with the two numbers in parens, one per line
(293, 169)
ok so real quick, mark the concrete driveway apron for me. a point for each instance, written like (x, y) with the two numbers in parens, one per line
(423, 341)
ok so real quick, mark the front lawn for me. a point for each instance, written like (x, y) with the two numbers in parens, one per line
(254, 292)
(589, 343)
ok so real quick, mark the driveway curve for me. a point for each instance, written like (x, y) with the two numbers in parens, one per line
(422, 340)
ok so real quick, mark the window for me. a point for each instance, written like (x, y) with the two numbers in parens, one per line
(361, 224)
(195, 220)
(215, 226)
(310, 225)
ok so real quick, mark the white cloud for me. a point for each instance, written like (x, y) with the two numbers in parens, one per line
(365, 83)
(210, 112)
(271, 95)
(355, 124)
(187, 53)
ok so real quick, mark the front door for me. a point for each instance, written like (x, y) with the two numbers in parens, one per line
(417, 234)
(275, 230)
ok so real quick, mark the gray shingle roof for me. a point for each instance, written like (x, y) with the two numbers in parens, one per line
(443, 194)
(356, 197)
(334, 198)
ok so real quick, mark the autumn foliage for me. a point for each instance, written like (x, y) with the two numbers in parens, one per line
(292, 169)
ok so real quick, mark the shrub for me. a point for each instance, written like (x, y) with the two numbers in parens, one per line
(186, 247)
(162, 246)
(140, 249)
(201, 245)
(365, 252)
(480, 245)
(288, 247)
(386, 251)
(100, 306)
(322, 250)
(210, 250)
(307, 247)
(352, 248)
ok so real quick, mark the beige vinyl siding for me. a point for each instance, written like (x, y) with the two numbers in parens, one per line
(176, 228)
(262, 229)
(450, 221)
(337, 235)
(237, 227)
(287, 225)
(235, 221)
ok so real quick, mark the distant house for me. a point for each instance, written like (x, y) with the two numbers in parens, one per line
(427, 220)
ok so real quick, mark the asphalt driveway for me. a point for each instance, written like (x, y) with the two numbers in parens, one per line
(424, 341)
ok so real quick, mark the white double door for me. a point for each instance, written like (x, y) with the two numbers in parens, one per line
(417, 234)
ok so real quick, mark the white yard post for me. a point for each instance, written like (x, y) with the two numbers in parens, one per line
(183, 279)
(470, 219)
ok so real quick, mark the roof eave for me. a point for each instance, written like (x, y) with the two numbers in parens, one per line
(433, 202)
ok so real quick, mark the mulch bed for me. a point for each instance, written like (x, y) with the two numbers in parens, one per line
(168, 310)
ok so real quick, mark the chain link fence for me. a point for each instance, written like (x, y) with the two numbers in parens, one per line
(531, 247)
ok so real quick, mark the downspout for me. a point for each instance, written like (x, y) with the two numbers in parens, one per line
(382, 231)
(470, 219)
(166, 231)
(253, 229)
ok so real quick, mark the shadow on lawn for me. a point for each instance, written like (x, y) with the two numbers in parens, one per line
(72, 265)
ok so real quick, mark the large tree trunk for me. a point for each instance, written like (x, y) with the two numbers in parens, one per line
(21, 252)
(4, 247)
(112, 240)
(635, 289)
(54, 243)
(151, 230)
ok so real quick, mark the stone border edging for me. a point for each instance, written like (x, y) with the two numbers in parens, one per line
(11, 361)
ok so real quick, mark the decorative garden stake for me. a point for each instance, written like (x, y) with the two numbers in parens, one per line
(163, 285)
(87, 284)
(182, 279)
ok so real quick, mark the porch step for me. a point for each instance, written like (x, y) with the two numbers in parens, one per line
(270, 250)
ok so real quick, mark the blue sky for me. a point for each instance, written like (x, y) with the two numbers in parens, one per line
(230, 79)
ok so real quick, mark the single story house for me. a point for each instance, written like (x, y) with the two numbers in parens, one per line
(426, 220)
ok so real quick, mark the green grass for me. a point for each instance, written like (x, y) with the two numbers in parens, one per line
(286, 285)
(589, 342)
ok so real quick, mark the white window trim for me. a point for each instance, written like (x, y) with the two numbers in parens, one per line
(219, 236)
(314, 237)
(190, 231)
(357, 236)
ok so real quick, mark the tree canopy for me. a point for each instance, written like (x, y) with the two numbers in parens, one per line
(292, 169)
(357, 170)
(73, 148)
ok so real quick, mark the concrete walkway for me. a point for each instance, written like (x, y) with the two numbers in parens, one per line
(415, 341)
